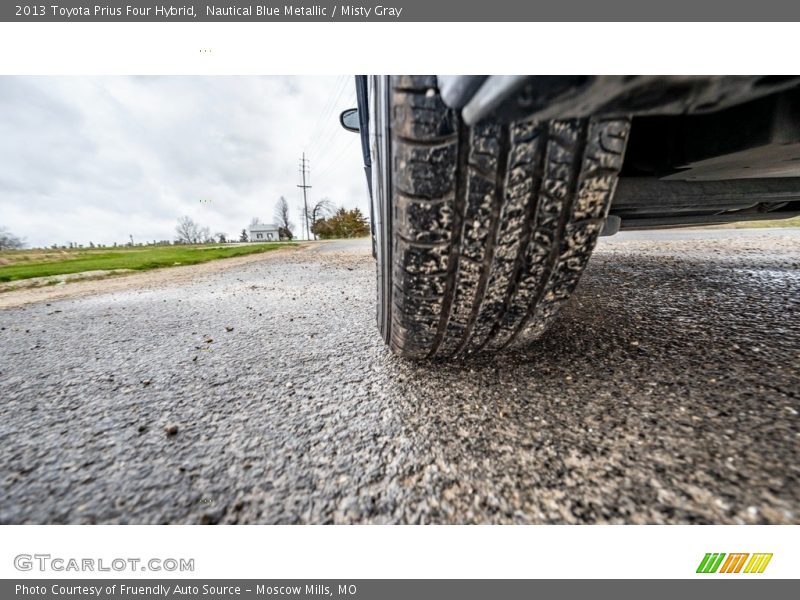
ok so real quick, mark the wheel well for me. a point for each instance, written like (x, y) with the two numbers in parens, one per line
(740, 163)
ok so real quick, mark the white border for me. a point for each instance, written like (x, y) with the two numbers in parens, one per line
(314, 48)
(372, 552)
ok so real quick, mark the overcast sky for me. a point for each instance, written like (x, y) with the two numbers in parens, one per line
(101, 158)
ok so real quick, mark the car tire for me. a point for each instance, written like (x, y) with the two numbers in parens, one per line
(491, 226)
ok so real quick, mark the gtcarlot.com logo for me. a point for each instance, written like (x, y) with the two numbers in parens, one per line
(46, 562)
(734, 563)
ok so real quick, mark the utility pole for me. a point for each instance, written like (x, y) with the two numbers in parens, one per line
(303, 170)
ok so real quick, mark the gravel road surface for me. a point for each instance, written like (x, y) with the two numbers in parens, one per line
(667, 392)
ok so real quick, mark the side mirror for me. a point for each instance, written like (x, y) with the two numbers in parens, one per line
(349, 120)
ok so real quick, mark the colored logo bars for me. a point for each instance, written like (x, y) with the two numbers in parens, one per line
(734, 562)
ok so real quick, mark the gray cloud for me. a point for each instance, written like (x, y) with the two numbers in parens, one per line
(98, 159)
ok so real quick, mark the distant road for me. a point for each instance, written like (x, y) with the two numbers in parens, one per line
(351, 245)
(260, 392)
(705, 234)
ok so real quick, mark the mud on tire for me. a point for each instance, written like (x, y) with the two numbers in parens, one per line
(492, 225)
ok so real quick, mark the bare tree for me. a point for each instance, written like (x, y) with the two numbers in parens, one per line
(204, 236)
(320, 210)
(9, 241)
(285, 226)
(188, 231)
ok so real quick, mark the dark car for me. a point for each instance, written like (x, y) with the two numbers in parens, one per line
(488, 193)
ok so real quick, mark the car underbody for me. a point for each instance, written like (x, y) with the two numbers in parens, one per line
(702, 149)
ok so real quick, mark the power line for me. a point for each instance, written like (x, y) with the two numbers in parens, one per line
(323, 119)
(328, 134)
(331, 95)
(329, 129)
(303, 171)
(332, 126)
(332, 163)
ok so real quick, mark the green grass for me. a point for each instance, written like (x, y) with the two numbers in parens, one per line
(24, 264)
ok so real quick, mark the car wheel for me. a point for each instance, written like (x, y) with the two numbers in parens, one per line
(490, 225)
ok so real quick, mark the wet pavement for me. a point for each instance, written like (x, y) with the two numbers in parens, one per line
(667, 392)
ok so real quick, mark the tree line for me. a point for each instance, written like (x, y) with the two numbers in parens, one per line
(8, 241)
(342, 223)
(324, 220)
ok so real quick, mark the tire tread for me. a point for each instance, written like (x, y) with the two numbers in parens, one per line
(493, 224)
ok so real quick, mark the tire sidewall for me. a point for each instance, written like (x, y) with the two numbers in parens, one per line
(381, 142)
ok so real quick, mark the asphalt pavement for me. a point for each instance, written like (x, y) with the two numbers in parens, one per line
(667, 392)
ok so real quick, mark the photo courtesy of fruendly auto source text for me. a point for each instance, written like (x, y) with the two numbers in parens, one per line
(433, 300)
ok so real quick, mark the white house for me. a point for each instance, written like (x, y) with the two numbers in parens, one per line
(264, 232)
